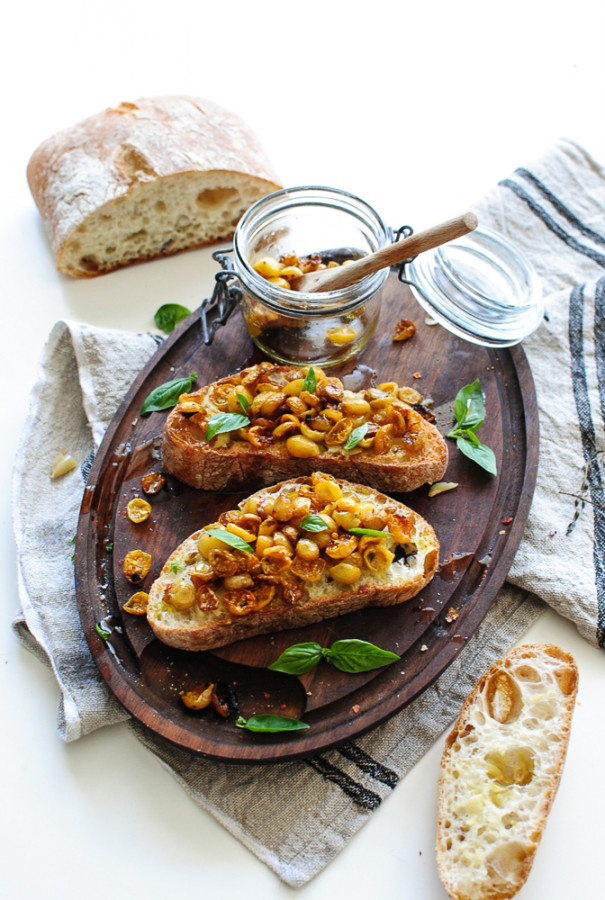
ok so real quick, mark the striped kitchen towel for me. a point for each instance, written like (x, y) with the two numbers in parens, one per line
(553, 210)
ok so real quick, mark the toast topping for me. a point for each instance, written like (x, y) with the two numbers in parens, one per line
(269, 406)
(289, 267)
(278, 544)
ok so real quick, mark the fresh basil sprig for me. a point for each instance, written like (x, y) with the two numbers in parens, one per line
(356, 436)
(313, 523)
(234, 540)
(348, 655)
(310, 382)
(469, 410)
(169, 315)
(167, 394)
(269, 723)
(223, 422)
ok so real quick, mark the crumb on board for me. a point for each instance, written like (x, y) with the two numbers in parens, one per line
(404, 330)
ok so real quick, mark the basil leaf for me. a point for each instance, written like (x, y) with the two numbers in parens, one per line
(310, 382)
(265, 722)
(169, 315)
(243, 402)
(356, 436)
(313, 522)
(102, 632)
(232, 539)
(370, 531)
(352, 655)
(223, 422)
(478, 452)
(298, 658)
(167, 394)
(469, 406)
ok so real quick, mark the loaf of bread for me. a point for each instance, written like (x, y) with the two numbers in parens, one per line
(500, 771)
(305, 561)
(146, 179)
(380, 436)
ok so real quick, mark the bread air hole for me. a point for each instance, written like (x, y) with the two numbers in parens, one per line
(89, 263)
(527, 673)
(212, 197)
(506, 863)
(514, 766)
(503, 697)
(510, 819)
(567, 679)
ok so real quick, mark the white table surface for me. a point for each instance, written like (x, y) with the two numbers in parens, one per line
(417, 111)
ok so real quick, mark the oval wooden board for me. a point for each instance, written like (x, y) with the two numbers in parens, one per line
(479, 525)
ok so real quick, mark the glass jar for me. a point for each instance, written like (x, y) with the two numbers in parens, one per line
(324, 328)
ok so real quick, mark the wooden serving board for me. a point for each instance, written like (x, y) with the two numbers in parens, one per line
(479, 525)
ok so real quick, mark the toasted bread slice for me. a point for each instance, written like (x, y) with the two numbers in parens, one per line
(379, 436)
(303, 563)
(500, 771)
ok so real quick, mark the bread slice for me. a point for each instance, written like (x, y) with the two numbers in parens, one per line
(293, 431)
(210, 594)
(145, 179)
(500, 771)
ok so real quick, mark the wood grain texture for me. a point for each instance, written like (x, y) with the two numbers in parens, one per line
(479, 525)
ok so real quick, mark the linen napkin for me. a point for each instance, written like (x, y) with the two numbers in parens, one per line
(308, 810)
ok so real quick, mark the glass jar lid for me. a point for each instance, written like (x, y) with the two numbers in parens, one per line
(479, 287)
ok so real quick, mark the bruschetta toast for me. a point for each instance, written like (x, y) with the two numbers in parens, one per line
(269, 422)
(292, 554)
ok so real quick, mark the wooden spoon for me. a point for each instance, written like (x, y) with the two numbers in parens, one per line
(335, 278)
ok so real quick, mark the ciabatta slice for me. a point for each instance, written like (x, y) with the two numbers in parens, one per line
(145, 179)
(292, 431)
(500, 771)
(210, 594)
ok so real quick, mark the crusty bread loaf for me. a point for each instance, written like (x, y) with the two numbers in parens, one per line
(210, 594)
(296, 432)
(500, 771)
(145, 179)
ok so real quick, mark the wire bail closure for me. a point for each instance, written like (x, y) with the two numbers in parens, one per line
(404, 232)
(227, 293)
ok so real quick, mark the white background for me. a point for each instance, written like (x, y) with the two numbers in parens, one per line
(419, 109)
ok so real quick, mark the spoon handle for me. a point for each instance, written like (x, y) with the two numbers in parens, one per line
(336, 278)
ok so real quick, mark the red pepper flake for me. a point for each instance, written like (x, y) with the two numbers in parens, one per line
(507, 521)
(284, 706)
(551, 533)
(356, 709)
(417, 375)
(267, 696)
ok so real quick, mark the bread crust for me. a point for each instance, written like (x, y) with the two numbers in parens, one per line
(495, 789)
(195, 630)
(221, 466)
(98, 166)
